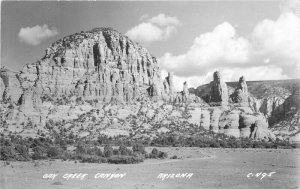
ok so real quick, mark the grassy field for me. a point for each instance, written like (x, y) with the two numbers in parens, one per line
(210, 168)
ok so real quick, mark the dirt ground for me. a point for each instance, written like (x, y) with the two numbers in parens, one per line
(205, 168)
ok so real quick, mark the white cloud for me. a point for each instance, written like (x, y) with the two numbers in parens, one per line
(164, 20)
(290, 6)
(232, 74)
(35, 35)
(144, 16)
(209, 50)
(147, 32)
(270, 51)
(158, 28)
(279, 40)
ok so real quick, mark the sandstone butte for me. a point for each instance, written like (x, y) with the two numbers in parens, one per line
(116, 74)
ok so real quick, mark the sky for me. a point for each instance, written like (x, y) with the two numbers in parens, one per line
(257, 39)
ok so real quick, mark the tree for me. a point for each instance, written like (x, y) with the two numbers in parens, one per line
(138, 147)
(108, 151)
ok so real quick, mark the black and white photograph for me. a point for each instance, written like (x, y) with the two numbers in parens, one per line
(150, 94)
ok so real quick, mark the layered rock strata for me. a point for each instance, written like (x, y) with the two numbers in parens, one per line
(99, 64)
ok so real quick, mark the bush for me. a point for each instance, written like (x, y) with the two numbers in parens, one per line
(65, 155)
(94, 151)
(22, 152)
(90, 158)
(53, 152)
(155, 154)
(99, 152)
(138, 147)
(116, 152)
(81, 148)
(162, 155)
(39, 152)
(125, 159)
(125, 151)
(108, 151)
(7, 153)
(215, 144)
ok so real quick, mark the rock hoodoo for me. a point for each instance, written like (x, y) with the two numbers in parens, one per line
(185, 88)
(219, 91)
(240, 94)
(186, 97)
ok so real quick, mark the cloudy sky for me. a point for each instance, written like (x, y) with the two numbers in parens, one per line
(257, 39)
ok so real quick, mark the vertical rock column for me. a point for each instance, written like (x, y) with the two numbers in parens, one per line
(219, 91)
(240, 94)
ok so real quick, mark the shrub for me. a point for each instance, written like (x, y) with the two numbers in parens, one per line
(39, 152)
(215, 144)
(157, 154)
(53, 152)
(108, 151)
(138, 147)
(99, 152)
(116, 152)
(7, 153)
(22, 152)
(125, 159)
(81, 148)
(90, 158)
(125, 151)
(65, 155)
(162, 155)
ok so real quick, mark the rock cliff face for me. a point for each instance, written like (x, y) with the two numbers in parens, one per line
(287, 122)
(101, 82)
(238, 119)
(11, 89)
(99, 64)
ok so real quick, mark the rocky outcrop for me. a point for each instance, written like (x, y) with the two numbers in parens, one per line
(98, 64)
(101, 82)
(287, 122)
(272, 107)
(237, 122)
(240, 94)
(11, 89)
(186, 97)
(219, 91)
